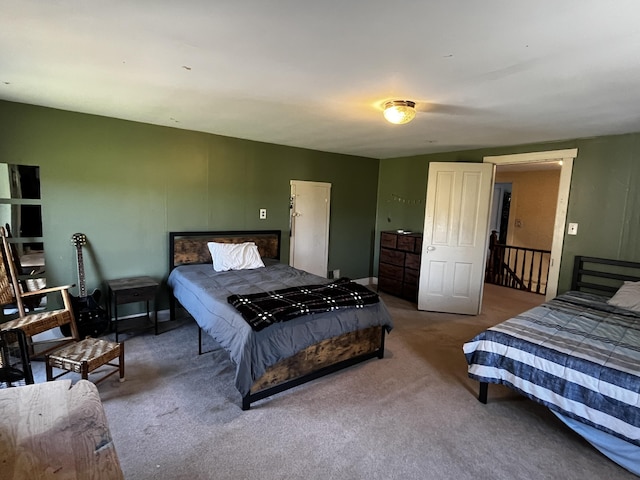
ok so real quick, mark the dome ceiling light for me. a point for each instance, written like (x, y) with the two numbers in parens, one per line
(399, 111)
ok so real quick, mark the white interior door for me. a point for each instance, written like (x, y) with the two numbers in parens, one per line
(310, 207)
(455, 237)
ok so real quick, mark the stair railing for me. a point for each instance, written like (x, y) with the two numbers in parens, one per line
(518, 267)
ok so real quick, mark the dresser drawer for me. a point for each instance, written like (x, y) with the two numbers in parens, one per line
(135, 295)
(418, 245)
(411, 277)
(388, 240)
(412, 260)
(406, 243)
(393, 257)
(390, 285)
(386, 270)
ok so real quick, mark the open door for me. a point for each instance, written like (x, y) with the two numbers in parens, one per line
(310, 208)
(455, 237)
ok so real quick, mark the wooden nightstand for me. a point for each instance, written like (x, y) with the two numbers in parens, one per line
(132, 290)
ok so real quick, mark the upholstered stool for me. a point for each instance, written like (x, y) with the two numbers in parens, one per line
(85, 356)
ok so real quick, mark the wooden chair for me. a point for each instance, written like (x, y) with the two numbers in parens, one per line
(77, 355)
(33, 322)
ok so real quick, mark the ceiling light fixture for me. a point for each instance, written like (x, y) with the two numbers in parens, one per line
(399, 111)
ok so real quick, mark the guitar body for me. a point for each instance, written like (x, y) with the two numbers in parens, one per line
(91, 319)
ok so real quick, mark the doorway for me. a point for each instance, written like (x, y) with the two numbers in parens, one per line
(309, 209)
(500, 208)
(476, 283)
(566, 157)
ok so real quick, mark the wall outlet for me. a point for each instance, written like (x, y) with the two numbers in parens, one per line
(336, 273)
(263, 214)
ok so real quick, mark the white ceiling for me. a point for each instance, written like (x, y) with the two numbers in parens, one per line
(314, 74)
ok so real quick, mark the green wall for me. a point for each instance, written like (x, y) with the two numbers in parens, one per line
(126, 185)
(604, 198)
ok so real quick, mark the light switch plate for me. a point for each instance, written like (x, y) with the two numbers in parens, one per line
(573, 229)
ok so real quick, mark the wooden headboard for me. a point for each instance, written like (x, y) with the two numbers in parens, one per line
(602, 276)
(187, 248)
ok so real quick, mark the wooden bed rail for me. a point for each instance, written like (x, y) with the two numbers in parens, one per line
(339, 353)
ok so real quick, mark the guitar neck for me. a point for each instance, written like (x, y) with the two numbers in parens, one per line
(82, 289)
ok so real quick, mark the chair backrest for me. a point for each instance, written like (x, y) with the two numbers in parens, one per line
(9, 284)
(41, 321)
(7, 296)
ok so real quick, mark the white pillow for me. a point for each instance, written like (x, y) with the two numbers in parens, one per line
(234, 256)
(627, 296)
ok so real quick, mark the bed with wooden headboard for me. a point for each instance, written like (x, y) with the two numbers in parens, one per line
(300, 349)
(578, 354)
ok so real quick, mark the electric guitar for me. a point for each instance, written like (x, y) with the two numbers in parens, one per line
(91, 319)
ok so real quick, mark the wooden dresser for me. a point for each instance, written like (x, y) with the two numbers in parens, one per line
(399, 267)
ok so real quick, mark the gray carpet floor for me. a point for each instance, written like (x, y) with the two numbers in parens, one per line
(412, 415)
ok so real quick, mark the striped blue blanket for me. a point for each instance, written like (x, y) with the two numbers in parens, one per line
(575, 354)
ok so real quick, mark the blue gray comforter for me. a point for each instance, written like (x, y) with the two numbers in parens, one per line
(204, 292)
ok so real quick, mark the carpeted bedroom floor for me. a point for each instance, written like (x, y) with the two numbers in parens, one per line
(411, 415)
